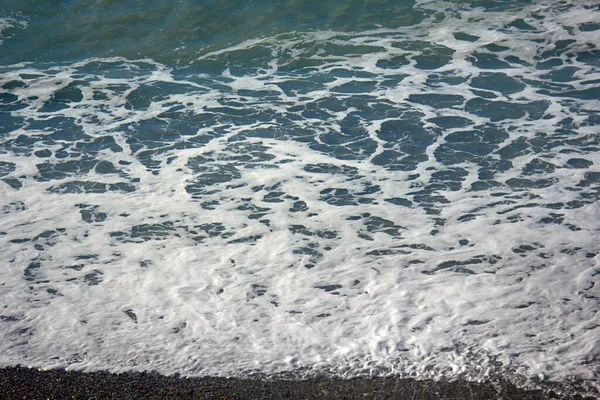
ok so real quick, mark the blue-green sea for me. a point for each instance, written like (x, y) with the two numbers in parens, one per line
(342, 188)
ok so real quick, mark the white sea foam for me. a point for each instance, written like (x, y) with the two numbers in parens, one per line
(231, 224)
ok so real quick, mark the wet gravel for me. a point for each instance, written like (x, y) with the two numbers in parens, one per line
(25, 383)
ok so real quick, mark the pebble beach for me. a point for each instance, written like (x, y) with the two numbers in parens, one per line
(29, 383)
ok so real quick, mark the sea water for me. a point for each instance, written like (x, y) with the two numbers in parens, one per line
(405, 188)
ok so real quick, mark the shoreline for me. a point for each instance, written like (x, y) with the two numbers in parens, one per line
(20, 382)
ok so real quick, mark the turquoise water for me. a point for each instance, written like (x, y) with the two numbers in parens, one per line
(177, 32)
(350, 188)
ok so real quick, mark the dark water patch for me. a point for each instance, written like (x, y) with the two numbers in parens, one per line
(335, 49)
(59, 129)
(98, 144)
(499, 82)
(19, 241)
(579, 163)
(377, 224)
(106, 167)
(301, 229)
(570, 251)
(592, 93)
(243, 152)
(146, 263)
(322, 168)
(153, 231)
(43, 153)
(131, 314)
(516, 148)
(299, 206)
(457, 153)
(210, 175)
(501, 110)
(150, 134)
(332, 289)
(517, 207)
(476, 322)
(465, 37)
(256, 212)
(93, 278)
(15, 84)
(273, 197)
(408, 135)
(467, 217)
(59, 170)
(246, 239)
(32, 271)
(565, 74)
(527, 248)
(560, 47)
(369, 108)
(451, 178)
(13, 183)
(350, 150)
(521, 25)
(526, 305)
(393, 62)
(7, 98)
(294, 87)
(538, 166)
(589, 179)
(444, 78)
(487, 61)
(9, 123)
(209, 229)
(6, 168)
(90, 214)
(459, 266)
(433, 58)
(49, 235)
(416, 246)
(496, 48)
(355, 87)
(256, 290)
(399, 201)
(455, 266)
(428, 196)
(70, 93)
(437, 100)
(386, 252)
(589, 26)
(483, 94)
(339, 197)
(310, 251)
(9, 103)
(91, 187)
(451, 122)
(553, 218)
(486, 134)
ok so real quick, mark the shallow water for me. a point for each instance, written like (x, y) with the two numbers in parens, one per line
(405, 188)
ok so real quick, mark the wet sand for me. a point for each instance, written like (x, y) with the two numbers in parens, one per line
(25, 383)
